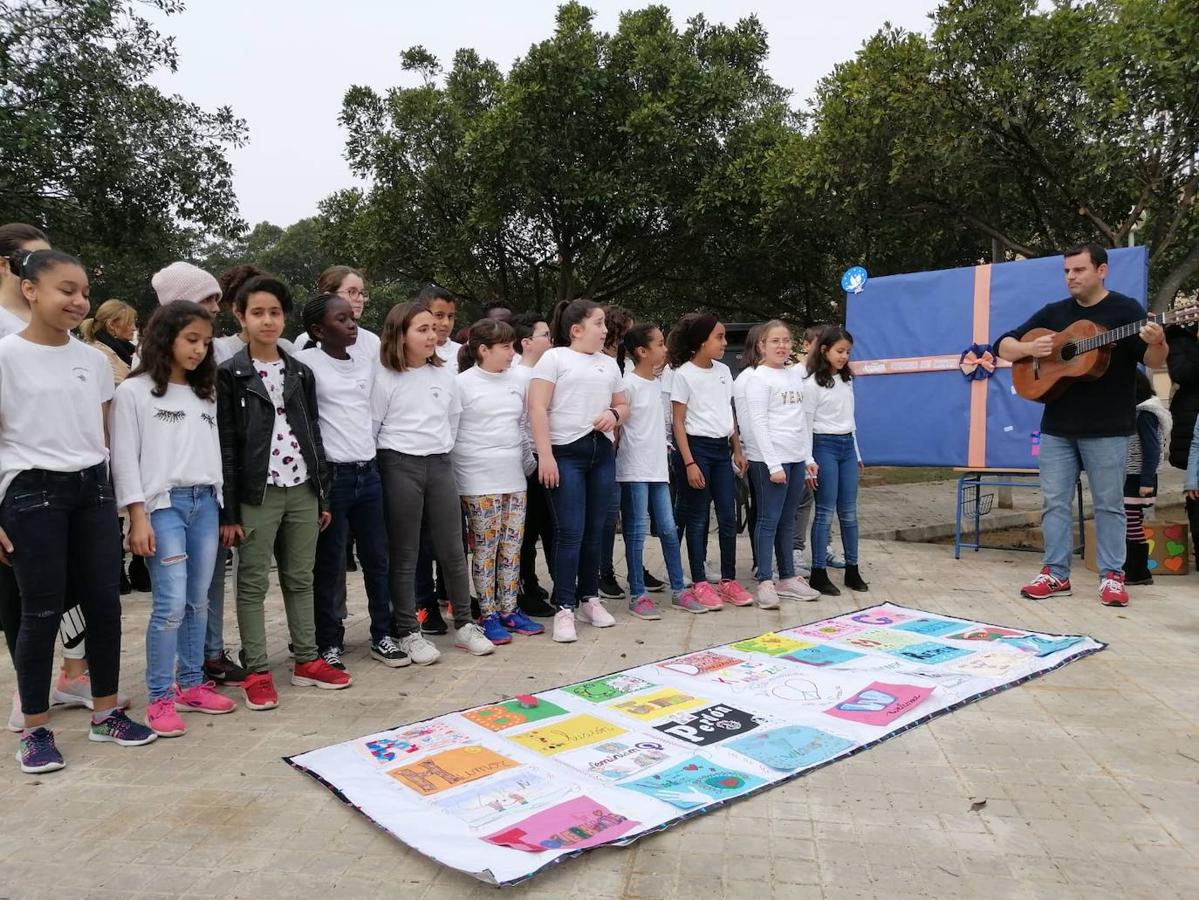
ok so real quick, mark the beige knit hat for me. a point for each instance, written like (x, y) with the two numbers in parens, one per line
(183, 281)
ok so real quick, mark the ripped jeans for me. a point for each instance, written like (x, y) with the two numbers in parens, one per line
(186, 535)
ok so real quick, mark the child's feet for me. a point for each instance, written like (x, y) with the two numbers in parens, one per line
(387, 651)
(518, 622)
(768, 597)
(431, 621)
(16, 717)
(38, 753)
(78, 692)
(118, 728)
(259, 688)
(319, 674)
(419, 650)
(1111, 590)
(795, 588)
(609, 589)
(686, 601)
(203, 698)
(592, 611)
(1046, 585)
(494, 630)
(332, 656)
(223, 670)
(164, 720)
(471, 638)
(820, 581)
(853, 579)
(653, 584)
(734, 593)
(644, 608)
(564, 626)
(536, 605)
(708, 596)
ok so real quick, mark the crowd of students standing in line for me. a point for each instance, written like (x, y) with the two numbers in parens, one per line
(412, 444)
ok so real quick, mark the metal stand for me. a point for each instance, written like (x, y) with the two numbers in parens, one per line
(973, 504)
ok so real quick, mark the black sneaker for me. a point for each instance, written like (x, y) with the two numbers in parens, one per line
(609, 589)
(126, 586)
(432, 621)
(476, 611)
(388, 652)
(332, 656)
(533, 589)
(537, 607)
(652, 584)
(223, 670)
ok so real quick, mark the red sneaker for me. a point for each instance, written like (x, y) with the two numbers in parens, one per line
(259, 689)
(318, 673)
(1046, 585)
(1111, 590)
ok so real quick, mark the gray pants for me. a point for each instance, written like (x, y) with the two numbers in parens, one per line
(803, 517)
(416, 488)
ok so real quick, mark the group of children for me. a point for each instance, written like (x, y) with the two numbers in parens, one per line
(409, 444)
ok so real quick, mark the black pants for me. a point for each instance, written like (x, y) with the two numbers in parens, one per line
(64, 531)
(537, 526)
(1193, 519)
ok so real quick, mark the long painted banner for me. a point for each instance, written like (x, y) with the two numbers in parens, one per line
(503, 791)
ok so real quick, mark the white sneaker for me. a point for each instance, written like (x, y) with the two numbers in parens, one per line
(420, 651)
(16, 718)
(78, 692)
(592, 612)
(797, 588)
(768, 598)
(802, 566)
(470, 637)
(564, 626)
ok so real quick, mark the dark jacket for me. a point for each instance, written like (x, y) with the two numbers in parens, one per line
(1183, 363)
(246, 420)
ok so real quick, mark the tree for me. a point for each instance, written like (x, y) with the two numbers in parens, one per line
(110, 166)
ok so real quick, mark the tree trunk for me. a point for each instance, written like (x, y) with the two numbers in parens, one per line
(1187, 267)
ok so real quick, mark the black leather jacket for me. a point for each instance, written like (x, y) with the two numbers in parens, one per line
(246, 421)
(1183, 363)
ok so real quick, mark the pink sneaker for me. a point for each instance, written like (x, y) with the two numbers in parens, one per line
(688, 602)
(644, 608)
(162, 718)
(203, 698)
(706, 594)
(734, 593)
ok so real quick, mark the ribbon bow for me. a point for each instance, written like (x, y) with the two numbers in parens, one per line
(977, 362)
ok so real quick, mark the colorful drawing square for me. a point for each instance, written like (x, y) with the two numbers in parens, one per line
(394, 745)
(491, 800)
(695, 782)
(613, 760)
(790, 747)
(573, 825)
(599, 690)
(770, 644)
(510, 713)
(985, 633)
(877, 617)
(822, 655)
(711, 725)
(749, 673)
(880, 703)
(828, 629)
(881, 640)
(1037, 645)
(699, 663)
(930, 653)
(988, 664)
(658, 704)
(450, 768)
(577, 731)
(930, 627)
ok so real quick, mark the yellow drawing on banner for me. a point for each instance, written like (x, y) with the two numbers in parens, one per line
(577, 731)
(771, 644)
(660, 703)
(451, 768)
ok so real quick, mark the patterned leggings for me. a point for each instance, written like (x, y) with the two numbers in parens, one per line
(497, 522)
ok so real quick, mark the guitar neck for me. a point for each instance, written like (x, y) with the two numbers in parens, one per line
(1124, 331)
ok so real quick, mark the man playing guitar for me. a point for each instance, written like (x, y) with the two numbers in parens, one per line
(1088, 425)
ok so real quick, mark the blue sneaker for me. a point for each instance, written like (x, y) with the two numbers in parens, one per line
(520, 623)
(37, 752)
(834, 560)
(494, 631)
(120, 729)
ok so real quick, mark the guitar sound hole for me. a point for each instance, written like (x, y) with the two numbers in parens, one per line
(1069, 351)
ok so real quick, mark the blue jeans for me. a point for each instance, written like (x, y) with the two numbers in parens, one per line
(355, 500)
(836, 489)
(774, 526)
(638, 499)
(186, 536)
(714, 458)
(1061, 460)
(579, 506)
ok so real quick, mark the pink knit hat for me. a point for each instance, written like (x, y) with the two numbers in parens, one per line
(183, 281)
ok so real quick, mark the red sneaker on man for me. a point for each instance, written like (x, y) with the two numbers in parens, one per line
(1046, 585)
(259, 689)
(1111, 590)
(318, 673)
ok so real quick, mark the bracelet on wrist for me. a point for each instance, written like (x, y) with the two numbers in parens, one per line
(690, 464)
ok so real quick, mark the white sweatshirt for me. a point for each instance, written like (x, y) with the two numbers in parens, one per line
(741, 408)
(160, 443)
(777, 419)
(491, 453)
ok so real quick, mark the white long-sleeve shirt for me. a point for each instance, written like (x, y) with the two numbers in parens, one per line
(831, 409)
(160, 443)
(491, 452)
(741, 408)
(412, 410)
(777, 418)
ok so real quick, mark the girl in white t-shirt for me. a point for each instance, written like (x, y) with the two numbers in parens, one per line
(576, 401)
(642, 470)
(415, 407)
(343, 393)
(709, 451)
(779, 445)
(166, 464)
(58, 516)
(491, 458)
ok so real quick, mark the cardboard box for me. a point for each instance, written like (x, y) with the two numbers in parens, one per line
(1169, 547)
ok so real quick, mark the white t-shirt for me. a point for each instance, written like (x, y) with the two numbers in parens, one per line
(343, 401)
(708, 394)
(584, 384)
(160, 443)
(490, 449)
(524, 374)
(776, 418)
(449, 354)
(230, 345)
(10, 323)
(641, 455)
(51, 413)
(366, 347)
(411, 411)
(742, 409)
(287, 467)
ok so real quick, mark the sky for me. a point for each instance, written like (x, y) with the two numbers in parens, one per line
(284, 66)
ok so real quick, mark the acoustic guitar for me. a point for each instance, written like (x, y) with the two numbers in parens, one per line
(1081, 352)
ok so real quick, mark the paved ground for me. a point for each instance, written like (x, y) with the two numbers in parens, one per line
(1090, 776)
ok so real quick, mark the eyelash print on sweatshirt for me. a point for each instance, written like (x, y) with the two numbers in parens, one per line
(174, 416)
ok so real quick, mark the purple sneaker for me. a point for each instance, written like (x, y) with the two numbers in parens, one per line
(38, 752)
(120, 729)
